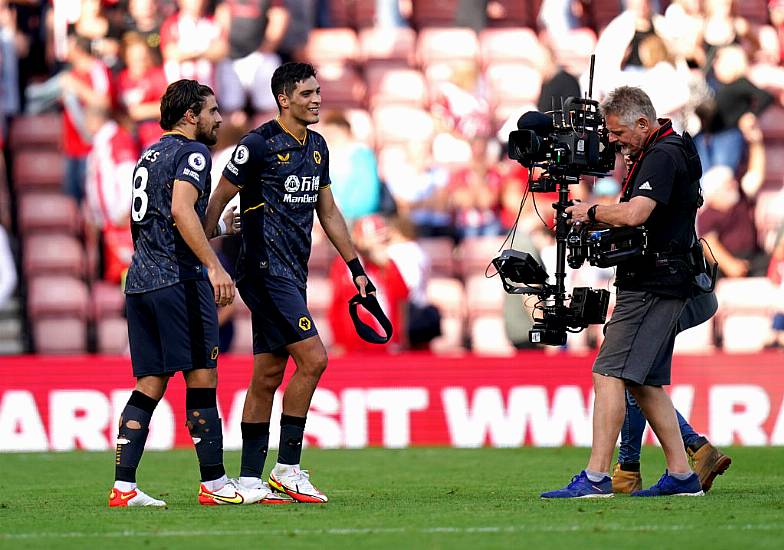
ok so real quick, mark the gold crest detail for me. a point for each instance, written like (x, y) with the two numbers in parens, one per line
(283, 158)
(214, 354)
(317, 157)
(304, 323)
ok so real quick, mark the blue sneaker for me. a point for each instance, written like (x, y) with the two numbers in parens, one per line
(582, 487)
(669, 486)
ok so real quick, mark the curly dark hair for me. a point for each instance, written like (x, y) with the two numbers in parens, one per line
(180, 97)
(285, 78)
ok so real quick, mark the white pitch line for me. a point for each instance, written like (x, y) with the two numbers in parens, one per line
(388, 530)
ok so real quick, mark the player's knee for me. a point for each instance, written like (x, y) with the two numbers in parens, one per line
(266, 384)
(317, 365)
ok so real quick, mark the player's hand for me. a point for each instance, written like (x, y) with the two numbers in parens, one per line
(222, 285)
(233, 221)
(364, 286)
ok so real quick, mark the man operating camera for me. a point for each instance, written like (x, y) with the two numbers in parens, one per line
(661, 191)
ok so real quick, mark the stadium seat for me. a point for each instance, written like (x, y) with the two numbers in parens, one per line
(573, 51)
(341, 86)
(433, 13)
(319, 295)
(748, 294)
(601, 12)
(769, 216)
(509, 45)
(772, 123)
(756, 11)
(397, 124)
(745, 333)
(440, 252)
(36, 132)
(396, 87)
(106, 300)
(696, 340)
(341, 13)
(488, 336)
(48, 212)
(335, 45)
(447, 45)
(60, 336)
(38, 170)
(112, 336)
(474, 255)
(484, 296)
(746, 307)
(53, 254)
(57, 295)
(448, 295)
(516, 14)
(387, 46)
(513, 83)
(359, 119)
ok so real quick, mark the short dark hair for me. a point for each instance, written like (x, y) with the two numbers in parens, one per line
(180, 97)
(285, 78)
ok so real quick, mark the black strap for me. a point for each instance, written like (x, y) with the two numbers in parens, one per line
(370, 303)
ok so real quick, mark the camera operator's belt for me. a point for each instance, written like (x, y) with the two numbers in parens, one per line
(370, 303)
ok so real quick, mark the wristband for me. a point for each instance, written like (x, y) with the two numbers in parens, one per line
(355, 266)
(221, 228)
(592, 213)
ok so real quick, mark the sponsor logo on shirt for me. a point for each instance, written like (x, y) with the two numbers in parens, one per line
(306, 184)
(191, 173)
(231, 168)
(284, 158)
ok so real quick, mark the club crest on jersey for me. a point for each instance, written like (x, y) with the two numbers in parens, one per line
(317, 157)
(197, 161)
(214, 354)
(241, 155)
(304, 323)
(284, 158)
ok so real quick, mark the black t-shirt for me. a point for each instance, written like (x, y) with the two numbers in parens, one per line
(279, 180)
(668, 173)
(161, 257)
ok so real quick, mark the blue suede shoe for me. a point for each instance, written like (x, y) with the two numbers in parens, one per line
(582, 487)
(669, 486)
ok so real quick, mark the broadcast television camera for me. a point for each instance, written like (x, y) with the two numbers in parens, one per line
(566, 143)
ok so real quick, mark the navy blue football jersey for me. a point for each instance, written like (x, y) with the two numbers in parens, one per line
(161, 257)
(279, 180)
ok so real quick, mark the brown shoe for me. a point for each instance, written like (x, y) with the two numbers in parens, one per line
(708, 462)
(625, 482)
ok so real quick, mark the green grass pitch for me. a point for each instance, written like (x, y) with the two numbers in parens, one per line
(415, 498)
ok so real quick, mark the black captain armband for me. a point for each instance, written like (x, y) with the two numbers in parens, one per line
(355, 266)
(592, 213)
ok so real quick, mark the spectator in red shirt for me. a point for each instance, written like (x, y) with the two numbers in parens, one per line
(192, 43)
(139, 89)
(370, 236)
(108, 188)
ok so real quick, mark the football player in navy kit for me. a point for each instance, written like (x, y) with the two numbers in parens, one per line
(281, 170)
(173, 284)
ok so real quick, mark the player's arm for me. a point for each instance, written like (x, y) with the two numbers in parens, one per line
(218, 201)
(335, 227)
(184, 197)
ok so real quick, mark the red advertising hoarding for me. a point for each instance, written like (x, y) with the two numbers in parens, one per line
(64, 403)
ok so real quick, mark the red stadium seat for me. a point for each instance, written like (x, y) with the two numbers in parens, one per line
(60, 336)
(769, 216)
(433, 13)
(448, 295)
(106, 300)
(387, 46)
(474, 254)
(37, 170)
(341, 86)
(484, 296)
(453, 44)
(326, 46)
(57, 295)
(515, 45)
(756, 11)
(48, 212)
(396, 87)
(112, 336)
(440, 252)
(341, 13)
(53, 254)
(772, 123)
(601, 12)
(774, 161)
(36, 131)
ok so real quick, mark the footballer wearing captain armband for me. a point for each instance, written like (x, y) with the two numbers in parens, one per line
(281, 170)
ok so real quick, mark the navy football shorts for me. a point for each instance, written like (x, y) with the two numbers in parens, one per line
(172, 329)
(279, 311)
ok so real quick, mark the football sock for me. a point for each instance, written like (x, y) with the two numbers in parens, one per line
(681, 477)
(216, 484)
(255, 443)
(630, 466)
(596, 476)
(124, 486)
(205, 428)
(132, 435)
(292, 430)
(697, 444)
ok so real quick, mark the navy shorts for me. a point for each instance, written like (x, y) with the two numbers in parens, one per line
(172, 329)
(279, 312)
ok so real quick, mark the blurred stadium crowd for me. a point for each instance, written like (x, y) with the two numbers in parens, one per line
(418, 99)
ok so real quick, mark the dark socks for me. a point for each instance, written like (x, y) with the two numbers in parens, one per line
(255, 443)
(132, 435)
(292, 430)
(697, 444)
(630, 466)
(206, 430)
